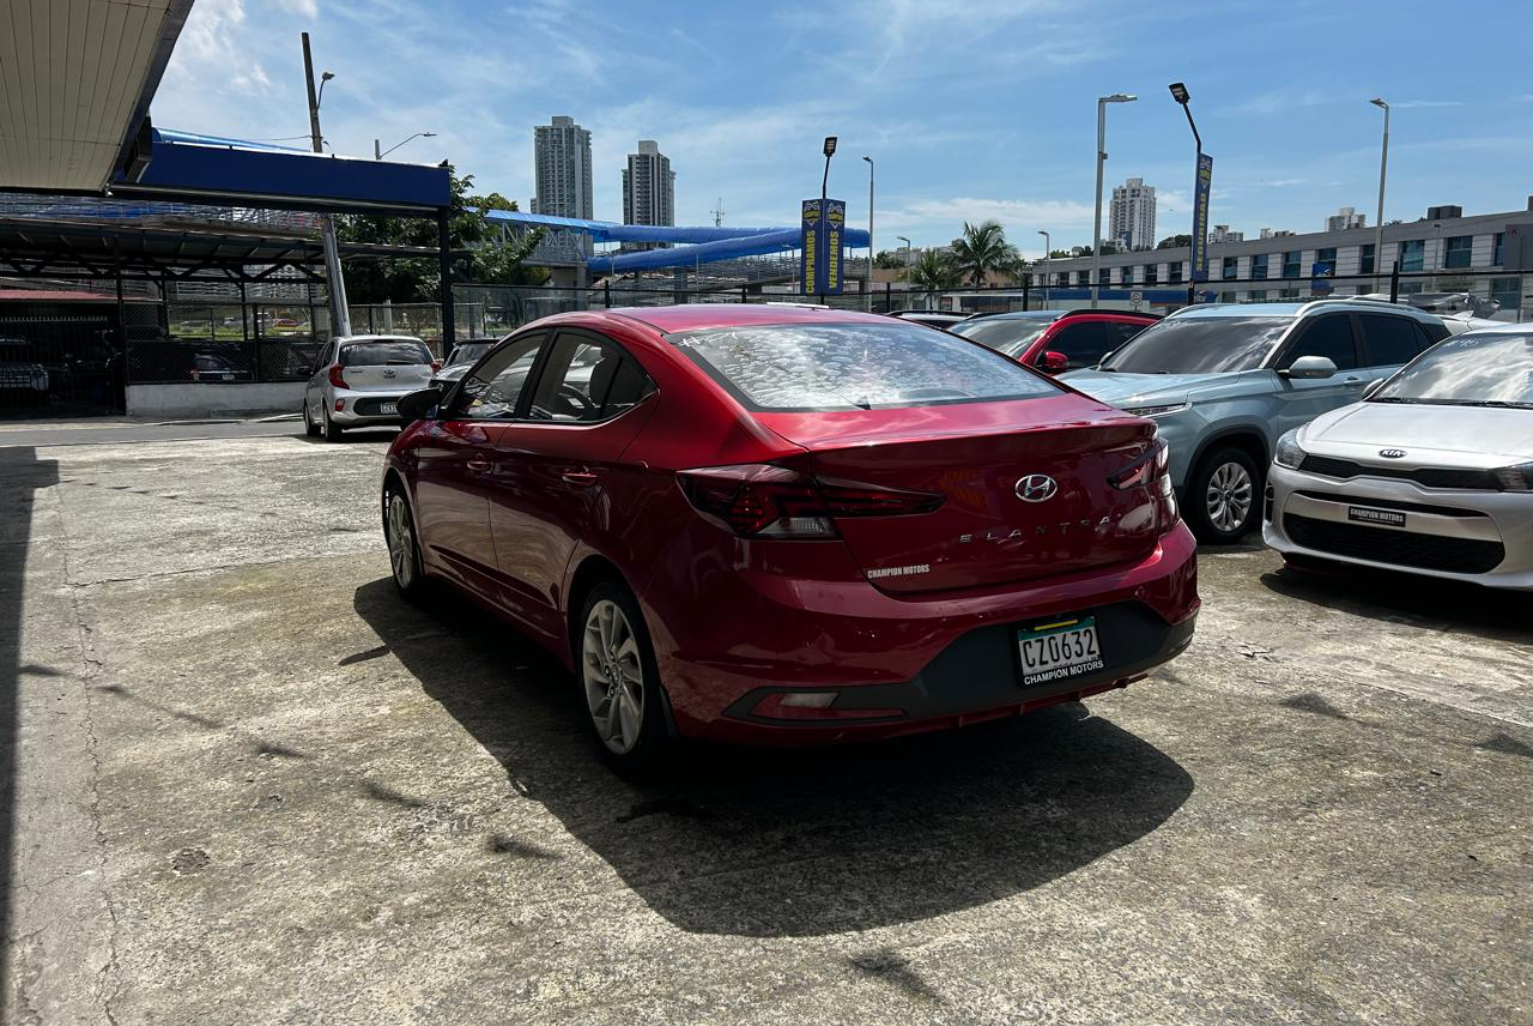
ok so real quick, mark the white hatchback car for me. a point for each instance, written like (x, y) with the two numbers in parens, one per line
(1431, 473)
(359, 379)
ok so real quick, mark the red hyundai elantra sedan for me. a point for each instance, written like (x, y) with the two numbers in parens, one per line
(787, 525)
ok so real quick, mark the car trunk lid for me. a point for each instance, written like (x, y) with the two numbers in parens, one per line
(392, 365)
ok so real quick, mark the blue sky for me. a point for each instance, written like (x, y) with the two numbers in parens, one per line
(972, 109)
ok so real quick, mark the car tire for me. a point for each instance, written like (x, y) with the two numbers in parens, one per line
(332, 433)
(309, 427)
(1223, 497)
(619, 680)
(403, 542)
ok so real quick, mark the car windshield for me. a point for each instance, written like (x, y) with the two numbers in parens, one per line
(468, 352)
(807, 367)
(1199, 345)
(393, 353)
(1009, 335)
(1472, 369)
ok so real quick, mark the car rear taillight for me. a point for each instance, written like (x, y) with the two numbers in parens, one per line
(761, 500)
(1144, 469)
(436, 365)
(335, 376)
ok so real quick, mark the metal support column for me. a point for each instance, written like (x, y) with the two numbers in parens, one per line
(449, 323)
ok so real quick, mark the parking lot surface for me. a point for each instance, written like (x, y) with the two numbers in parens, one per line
(250, 785)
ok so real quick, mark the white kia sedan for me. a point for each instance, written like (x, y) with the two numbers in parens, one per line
(359, 379)
(1432, 473)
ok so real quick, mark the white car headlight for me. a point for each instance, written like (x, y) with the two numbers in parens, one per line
(1156, 411)
(1289, 452)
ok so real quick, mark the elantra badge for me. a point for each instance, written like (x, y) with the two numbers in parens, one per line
(1036, 488)
(1392, 454)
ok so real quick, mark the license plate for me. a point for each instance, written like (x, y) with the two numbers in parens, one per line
(389, 408)
(1366, 515)
(1059, 651)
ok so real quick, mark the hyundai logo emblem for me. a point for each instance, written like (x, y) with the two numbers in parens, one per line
(1036, 488)
(1392, 454)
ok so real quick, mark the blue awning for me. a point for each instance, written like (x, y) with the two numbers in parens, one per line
(188, 167)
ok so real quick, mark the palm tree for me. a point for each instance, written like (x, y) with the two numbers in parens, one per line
(935, 270)
(983, 249)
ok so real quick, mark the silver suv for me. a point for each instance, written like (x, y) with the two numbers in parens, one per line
(358, 381)
(1225, 382)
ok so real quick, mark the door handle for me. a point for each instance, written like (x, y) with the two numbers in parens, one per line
(478, 464)
(1353, 382)
(579, 478)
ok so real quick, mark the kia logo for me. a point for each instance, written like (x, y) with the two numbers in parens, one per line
(1392, 454)
(1036, 488)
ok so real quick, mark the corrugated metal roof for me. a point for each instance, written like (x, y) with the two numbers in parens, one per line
(76, 77)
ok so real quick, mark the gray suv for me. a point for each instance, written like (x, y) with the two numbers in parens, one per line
(1225, 382)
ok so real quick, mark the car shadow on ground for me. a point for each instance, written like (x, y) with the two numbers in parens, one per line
(1410, 599)
(377, 434)
(793, 843)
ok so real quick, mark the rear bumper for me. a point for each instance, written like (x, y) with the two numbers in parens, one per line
(930, 663)
(364, 407)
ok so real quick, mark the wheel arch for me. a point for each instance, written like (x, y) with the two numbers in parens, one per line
(1249, 438)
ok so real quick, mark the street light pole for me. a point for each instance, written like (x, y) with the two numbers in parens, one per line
(340, 313)
(1378, 229)
(1199, 239)
(830, 151)
(1096, 241)
(870, 233)
(380, 154)
(1048, 251)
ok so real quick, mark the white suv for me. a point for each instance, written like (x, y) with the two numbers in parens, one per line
(359, 379)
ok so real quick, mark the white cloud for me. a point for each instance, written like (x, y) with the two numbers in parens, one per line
(1412, 104)
(307, 8)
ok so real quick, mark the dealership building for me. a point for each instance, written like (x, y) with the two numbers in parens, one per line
(1490, 255)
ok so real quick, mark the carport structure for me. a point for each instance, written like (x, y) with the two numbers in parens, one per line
(76, 81)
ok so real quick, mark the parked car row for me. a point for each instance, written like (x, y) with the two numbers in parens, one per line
(791, 525)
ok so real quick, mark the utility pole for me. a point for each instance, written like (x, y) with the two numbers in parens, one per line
(1048, 248)
(1378, 229)
(340, 314)
(1096, 230)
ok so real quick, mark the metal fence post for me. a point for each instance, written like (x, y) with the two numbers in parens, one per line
(888, 297)
(1394, 283)
(1027, 288)
(606, 293)
(745, 294)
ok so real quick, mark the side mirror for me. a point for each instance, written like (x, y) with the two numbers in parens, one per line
(1053, 363)
(1373, 386)
(420, 405)
(1310, 368)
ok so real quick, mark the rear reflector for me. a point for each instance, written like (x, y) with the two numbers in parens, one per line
(814, 705)
(761, 500)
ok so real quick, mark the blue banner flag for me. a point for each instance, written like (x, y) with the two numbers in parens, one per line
(809, 266)
(834, 255)
(1200, 217)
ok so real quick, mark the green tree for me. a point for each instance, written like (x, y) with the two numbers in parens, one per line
(888, 258)
(478, 255)
(1174, 242)
(983, 249)
(935, 270)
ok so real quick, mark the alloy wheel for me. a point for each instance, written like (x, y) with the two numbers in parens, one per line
(400, 536)
(613, 675)
(1229, 496)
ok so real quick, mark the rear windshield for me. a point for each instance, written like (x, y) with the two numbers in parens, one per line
(806, 367)
(1199, 345)
(399, 353)
(1470, 370)
(468, 352)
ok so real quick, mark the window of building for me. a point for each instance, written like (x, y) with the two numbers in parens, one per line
(1174, 272)
(1365, 257)
(1293, 263)
(1507, 292)
(1231, 268)
(1104, 276)
(1259, 296)
(1326, 256)
(1500, 246)
(1456, 250)
(1151, 274)
(1259, 267)
(1062, 278)
(1083, 277)
(1413, 254)
(1127, 275)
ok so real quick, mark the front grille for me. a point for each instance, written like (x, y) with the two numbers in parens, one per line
(1396, 547)
(1404, 507)
(1431, 477)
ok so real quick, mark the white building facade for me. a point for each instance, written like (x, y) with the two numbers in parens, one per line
(1132, 216)
(562, 155)
(649, 187)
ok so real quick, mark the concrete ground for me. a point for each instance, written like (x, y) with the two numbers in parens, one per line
(249, 785)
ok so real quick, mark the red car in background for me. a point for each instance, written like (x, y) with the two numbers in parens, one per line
(787, 525)
(1055, 341)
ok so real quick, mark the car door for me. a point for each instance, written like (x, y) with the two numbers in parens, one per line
(314, 392)
(1389, 343)
(454, 458)
(1301, 400)
(554, 467)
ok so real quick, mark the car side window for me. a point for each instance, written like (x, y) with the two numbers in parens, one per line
(1389, 340)
(326, 357)
(1083, 344)
(493, 391)
(587, 380)
(1329, 336)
